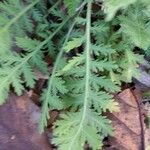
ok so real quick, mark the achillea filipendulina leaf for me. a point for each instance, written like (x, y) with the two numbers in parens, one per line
(112, 6)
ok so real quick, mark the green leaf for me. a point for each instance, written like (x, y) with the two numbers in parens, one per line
(17, 84)
(103, 82)
(5, 6)
(103, 102)
(38, 61)
(112, 6)
(51, 99)
(102, 65)
(28, 75)
(74, 43)
(91, 136)
(100, 122)
(71, 5)
(135, 29)
(68, 137)
(27, 43)
(71, 63)
(102, 49)
(5, 43)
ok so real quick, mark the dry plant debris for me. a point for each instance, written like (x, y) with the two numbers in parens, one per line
(18, 125)
(129, 127)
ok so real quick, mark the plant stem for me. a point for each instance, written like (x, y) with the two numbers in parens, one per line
(88, 47)
(50, 82)
(51, 78)
(87, 77)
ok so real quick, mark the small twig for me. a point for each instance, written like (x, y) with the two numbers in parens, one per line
(82, 5)
(141, 122)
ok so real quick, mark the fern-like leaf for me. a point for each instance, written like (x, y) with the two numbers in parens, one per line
(74, 43)
(71, 5)
(135, 28)
(112, 6)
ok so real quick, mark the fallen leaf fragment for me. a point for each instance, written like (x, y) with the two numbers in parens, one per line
(127, 124)
(18, 125)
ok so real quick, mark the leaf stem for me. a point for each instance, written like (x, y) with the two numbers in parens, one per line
(87, 77)
(51, 78)
(50, 82)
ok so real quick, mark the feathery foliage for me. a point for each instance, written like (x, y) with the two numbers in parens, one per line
(93, 52)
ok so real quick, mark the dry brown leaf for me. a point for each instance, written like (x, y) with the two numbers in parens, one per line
(126, 123)
(18, 125)
(147, 137)
(147, 130)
